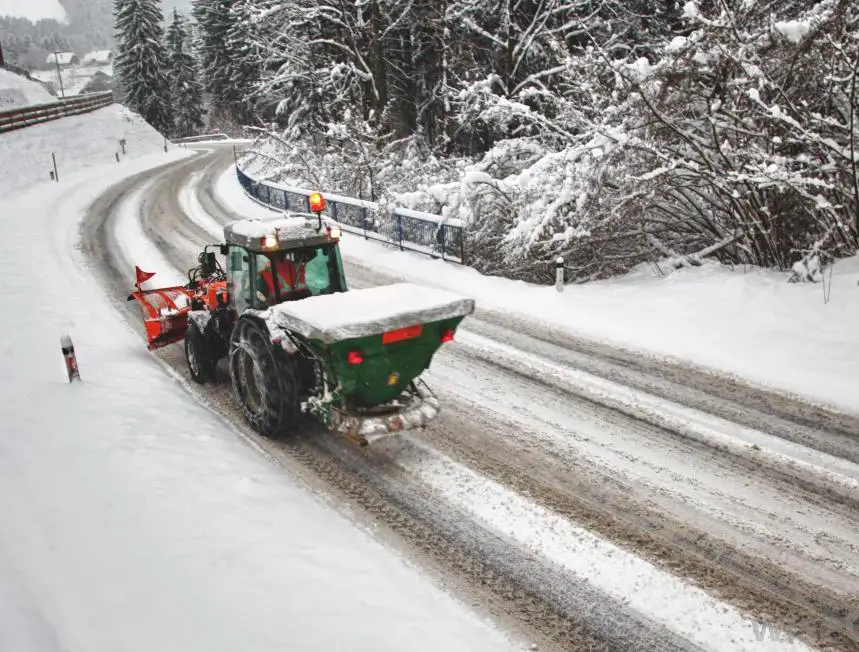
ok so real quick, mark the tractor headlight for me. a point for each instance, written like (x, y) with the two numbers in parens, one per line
(333, 233)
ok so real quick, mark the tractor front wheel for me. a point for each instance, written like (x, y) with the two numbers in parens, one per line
(265, 380)
(201, 365)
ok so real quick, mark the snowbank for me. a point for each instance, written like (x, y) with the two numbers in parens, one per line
(750, 323)
(25, 155)
(134, 519)
(17, 91)
(34, 10)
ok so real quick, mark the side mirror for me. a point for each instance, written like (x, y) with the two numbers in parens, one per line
(225, 249)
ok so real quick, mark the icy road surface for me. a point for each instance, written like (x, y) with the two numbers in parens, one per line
(132, 518)
(657, 477)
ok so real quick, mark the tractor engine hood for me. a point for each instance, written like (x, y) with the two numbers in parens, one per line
(368, 312)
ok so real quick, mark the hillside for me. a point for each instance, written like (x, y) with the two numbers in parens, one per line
(18, 91)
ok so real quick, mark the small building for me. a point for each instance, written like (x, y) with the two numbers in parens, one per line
(64, 59)
(98, 58)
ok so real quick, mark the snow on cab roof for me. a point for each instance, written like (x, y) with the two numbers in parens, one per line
(370, 311)
(292, 230)
(253, 228)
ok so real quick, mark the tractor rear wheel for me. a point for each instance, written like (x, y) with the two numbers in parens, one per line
(201, 365)
(265, 381)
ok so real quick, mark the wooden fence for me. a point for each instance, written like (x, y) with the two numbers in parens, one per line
(37, 114)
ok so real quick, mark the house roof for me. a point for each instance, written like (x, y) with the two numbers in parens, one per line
(99, 56)
(64, 58)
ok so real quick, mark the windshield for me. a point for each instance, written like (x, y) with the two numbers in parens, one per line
(291, 275)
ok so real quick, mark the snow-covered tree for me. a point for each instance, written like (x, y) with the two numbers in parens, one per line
(184, 75)
(140, 61)
(613, 132)
(230, 64)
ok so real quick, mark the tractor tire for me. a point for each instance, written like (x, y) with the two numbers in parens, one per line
(265, 380)
(201, 364)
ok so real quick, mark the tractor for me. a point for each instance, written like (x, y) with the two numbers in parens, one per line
(297, 343)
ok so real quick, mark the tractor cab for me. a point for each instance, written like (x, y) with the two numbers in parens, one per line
(268, 262)
(273, 261)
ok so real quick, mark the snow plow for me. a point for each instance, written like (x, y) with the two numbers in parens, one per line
(296, 341)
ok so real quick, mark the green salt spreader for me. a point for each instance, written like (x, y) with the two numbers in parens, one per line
(296, 342)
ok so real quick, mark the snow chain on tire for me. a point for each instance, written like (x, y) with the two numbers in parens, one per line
(264, 380)
(201, 366)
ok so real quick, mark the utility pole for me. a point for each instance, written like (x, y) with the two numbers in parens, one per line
(2, 57)
(59, 74)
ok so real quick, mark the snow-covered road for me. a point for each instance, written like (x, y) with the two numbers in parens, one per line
(541, 435)
(132, 518)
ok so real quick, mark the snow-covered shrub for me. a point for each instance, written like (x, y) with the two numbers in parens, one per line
(611, 134)
(749, 154)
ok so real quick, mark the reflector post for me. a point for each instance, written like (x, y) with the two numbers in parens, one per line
(402, 334)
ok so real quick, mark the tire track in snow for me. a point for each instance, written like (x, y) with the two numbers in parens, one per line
(798, 598)
(412, 516)
(162, 227)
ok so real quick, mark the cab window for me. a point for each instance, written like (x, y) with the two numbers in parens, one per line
(291, 275)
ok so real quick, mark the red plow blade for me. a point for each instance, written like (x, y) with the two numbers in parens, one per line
(165, 314)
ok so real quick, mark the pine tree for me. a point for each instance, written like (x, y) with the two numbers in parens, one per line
(228, 64)
(184, 75)
(141, 60)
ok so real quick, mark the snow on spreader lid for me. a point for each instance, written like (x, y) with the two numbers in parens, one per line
(371, 311)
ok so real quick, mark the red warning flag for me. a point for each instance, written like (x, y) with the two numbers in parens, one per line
(142, 276)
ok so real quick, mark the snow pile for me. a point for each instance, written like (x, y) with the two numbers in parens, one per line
(134, 519)
(26, 153)
(17, 91)
(34, 10)
(361, 313)
(743, 321)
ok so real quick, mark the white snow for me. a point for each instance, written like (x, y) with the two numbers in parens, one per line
(191, 206)
(793, 30)
(75, 77)
(668, 600)
(254, 228)
(371, 311)
(677, 43)
(34, 10)
(750, 322)
(17, 91)
(690, 10)
(28, 151)
(133, 518)
(589, 559)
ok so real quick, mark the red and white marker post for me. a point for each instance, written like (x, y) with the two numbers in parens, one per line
(71, 360)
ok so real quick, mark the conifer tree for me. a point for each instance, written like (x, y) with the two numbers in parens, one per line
(140, 61)
(184, 76)
(226, 56)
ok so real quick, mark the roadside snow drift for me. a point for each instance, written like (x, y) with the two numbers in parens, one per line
(17, 91)
(750, 323)
(133, 519)
(83, 141)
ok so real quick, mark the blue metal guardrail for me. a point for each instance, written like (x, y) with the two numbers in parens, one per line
(404, 229)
